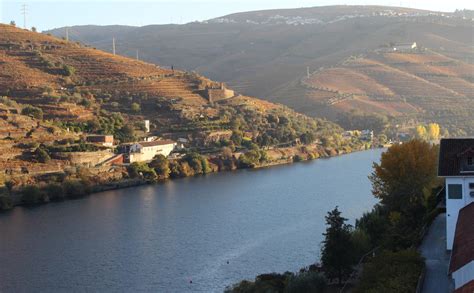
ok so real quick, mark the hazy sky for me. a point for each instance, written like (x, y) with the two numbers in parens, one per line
(54, 13)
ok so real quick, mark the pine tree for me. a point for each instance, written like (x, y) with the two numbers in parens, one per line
(337, 255)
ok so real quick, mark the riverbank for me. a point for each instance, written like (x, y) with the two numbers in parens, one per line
(161, 236)
(276, 157)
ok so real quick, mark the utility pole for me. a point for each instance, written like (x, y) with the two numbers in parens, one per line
(67, 34)
(24, 10)
(113, 45)
(307, 71)
(137, 55)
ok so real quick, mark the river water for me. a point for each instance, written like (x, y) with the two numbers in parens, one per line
(212, 230)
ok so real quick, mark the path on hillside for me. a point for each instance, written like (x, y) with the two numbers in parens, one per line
(433, 249)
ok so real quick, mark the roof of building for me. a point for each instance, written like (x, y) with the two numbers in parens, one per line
(463, 246)
(450, 149)
(466, 288)
(156, 143)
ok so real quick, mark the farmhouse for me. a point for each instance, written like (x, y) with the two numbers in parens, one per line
(105, 140)
(145, 151)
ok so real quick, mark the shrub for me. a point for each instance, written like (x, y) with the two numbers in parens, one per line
(68, 70)
(55, 191)
(302, 282)
(75, 188)
(135, 107)
(33, 195)
(391, 272)
(41, 155)
(32, 111)
(6, 203)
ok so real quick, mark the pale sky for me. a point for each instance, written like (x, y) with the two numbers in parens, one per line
(54, 13)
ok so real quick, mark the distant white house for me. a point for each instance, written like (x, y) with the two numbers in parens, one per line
(456, 165)
(145, 151)
(405, 47)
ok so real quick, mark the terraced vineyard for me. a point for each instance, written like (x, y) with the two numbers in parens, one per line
(422, 84)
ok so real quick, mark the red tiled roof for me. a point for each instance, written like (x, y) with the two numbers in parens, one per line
(463, 247)
(156, 142)
(449, 151)
(467, 288)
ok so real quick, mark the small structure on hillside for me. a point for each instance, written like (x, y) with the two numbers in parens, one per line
(215, 94)
(147, 125)
(145, 151)
(104, 140)
(404, 47)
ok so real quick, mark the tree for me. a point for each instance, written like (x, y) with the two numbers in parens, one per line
(433, 131)
(421, 132)
(135, 107)
(33, 112)
(33, 29)
(161, 165)
(68, 70)
(337, 255)
(126, 133)
(41, 155)
(13, 23)
(405, 176)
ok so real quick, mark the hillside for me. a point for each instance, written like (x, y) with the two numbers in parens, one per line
(267, 53)
(54, 92)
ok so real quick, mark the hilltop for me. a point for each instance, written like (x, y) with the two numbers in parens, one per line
(267, 54)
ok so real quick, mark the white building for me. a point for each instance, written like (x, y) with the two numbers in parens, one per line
(456, 165)
(145, 151)
(405, 47)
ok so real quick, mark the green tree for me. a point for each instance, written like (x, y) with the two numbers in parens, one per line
(68, 70)
(41, 155)
(135, 107)
(405, 176)
(161, 165)
(337, 256)
(126, 134)
(33, 112)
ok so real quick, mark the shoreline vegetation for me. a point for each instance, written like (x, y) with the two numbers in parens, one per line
(379, 253)
(161, 170)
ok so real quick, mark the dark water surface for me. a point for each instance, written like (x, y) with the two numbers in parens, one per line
(158, 238)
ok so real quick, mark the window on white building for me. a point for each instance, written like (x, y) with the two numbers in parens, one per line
(455, 191)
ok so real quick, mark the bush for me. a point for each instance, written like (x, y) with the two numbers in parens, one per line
(68, 70)
(141, 170)
(391, 272)
(41, 155)
(32, 111)
(6, 203)
(306, 282)
(33, 195)
(55, 191)
(75, 189)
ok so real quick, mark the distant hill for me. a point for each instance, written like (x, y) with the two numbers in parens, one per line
(267, 54)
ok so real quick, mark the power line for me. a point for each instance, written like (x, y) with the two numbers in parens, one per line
(24, 11)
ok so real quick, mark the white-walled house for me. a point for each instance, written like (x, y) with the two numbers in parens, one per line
(456, 165)
(145, 151)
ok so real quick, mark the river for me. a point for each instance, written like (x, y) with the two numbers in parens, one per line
(214, 230)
